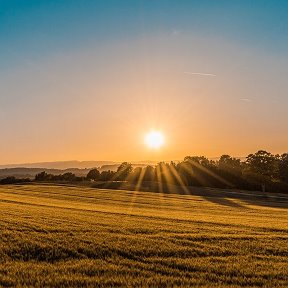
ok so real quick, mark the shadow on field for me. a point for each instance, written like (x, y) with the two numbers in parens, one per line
(225, 197)
(229, 197)
(224, 201)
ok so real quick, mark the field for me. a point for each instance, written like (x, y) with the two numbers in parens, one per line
(66, 236)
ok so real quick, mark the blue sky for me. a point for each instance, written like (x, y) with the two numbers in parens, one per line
(35, 28)
(121, 68)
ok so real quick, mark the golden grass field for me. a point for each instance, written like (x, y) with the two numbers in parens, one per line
(68, 236)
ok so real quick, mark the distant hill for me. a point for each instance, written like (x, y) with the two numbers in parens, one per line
(60, 164)
(85, 164)
(30, 170)
(75, 164)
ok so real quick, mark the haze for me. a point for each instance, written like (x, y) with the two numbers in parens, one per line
(87, 80)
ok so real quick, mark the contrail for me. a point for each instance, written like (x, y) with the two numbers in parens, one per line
(245, 99)
(200, 74)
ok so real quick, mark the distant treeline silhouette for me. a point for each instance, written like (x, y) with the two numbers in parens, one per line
(260, 171)
(14, 180)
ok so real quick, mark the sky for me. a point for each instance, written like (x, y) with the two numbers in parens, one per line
(86, 80)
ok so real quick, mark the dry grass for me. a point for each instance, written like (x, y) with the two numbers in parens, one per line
(60, 236)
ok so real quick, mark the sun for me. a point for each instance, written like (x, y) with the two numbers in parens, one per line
(154, 139)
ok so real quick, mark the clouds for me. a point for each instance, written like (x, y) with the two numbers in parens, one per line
(245, 99)
(200, 74)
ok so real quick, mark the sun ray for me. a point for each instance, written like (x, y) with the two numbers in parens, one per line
(169, 180)
(199, 177)
(159, 179)
(140, 179)
(179, 180)
(207, 171)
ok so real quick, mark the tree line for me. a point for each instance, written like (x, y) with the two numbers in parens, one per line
(260, 171)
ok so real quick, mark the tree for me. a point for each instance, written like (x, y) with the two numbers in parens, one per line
(283, 167)
(68, 177)
(198, 160)
(230, 164)
(135, 175)
(123, 171)
(42, 176)
(106, 175)
(264, 164)
(149, 173)
(161, 171)
(13, 180)
(201, 171)
(93, 174)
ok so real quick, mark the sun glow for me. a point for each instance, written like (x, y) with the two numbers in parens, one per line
(154, 139)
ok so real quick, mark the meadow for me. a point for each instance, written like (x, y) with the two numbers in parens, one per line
(69, 236)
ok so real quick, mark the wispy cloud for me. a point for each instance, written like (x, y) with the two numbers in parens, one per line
(200, 74)
(246, 99)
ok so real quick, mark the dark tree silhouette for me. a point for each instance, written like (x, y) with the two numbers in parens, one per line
(283, 167)
(42, 176)
(149, 174)
(199, 160)
(230, 164)
(106, 175)
(93, 174)
(123, 171)
(14, 180)
(68, 177)
(261, 169)
(263, 164)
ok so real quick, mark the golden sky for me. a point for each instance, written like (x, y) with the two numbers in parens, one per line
(88, 82)
(98, 103)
